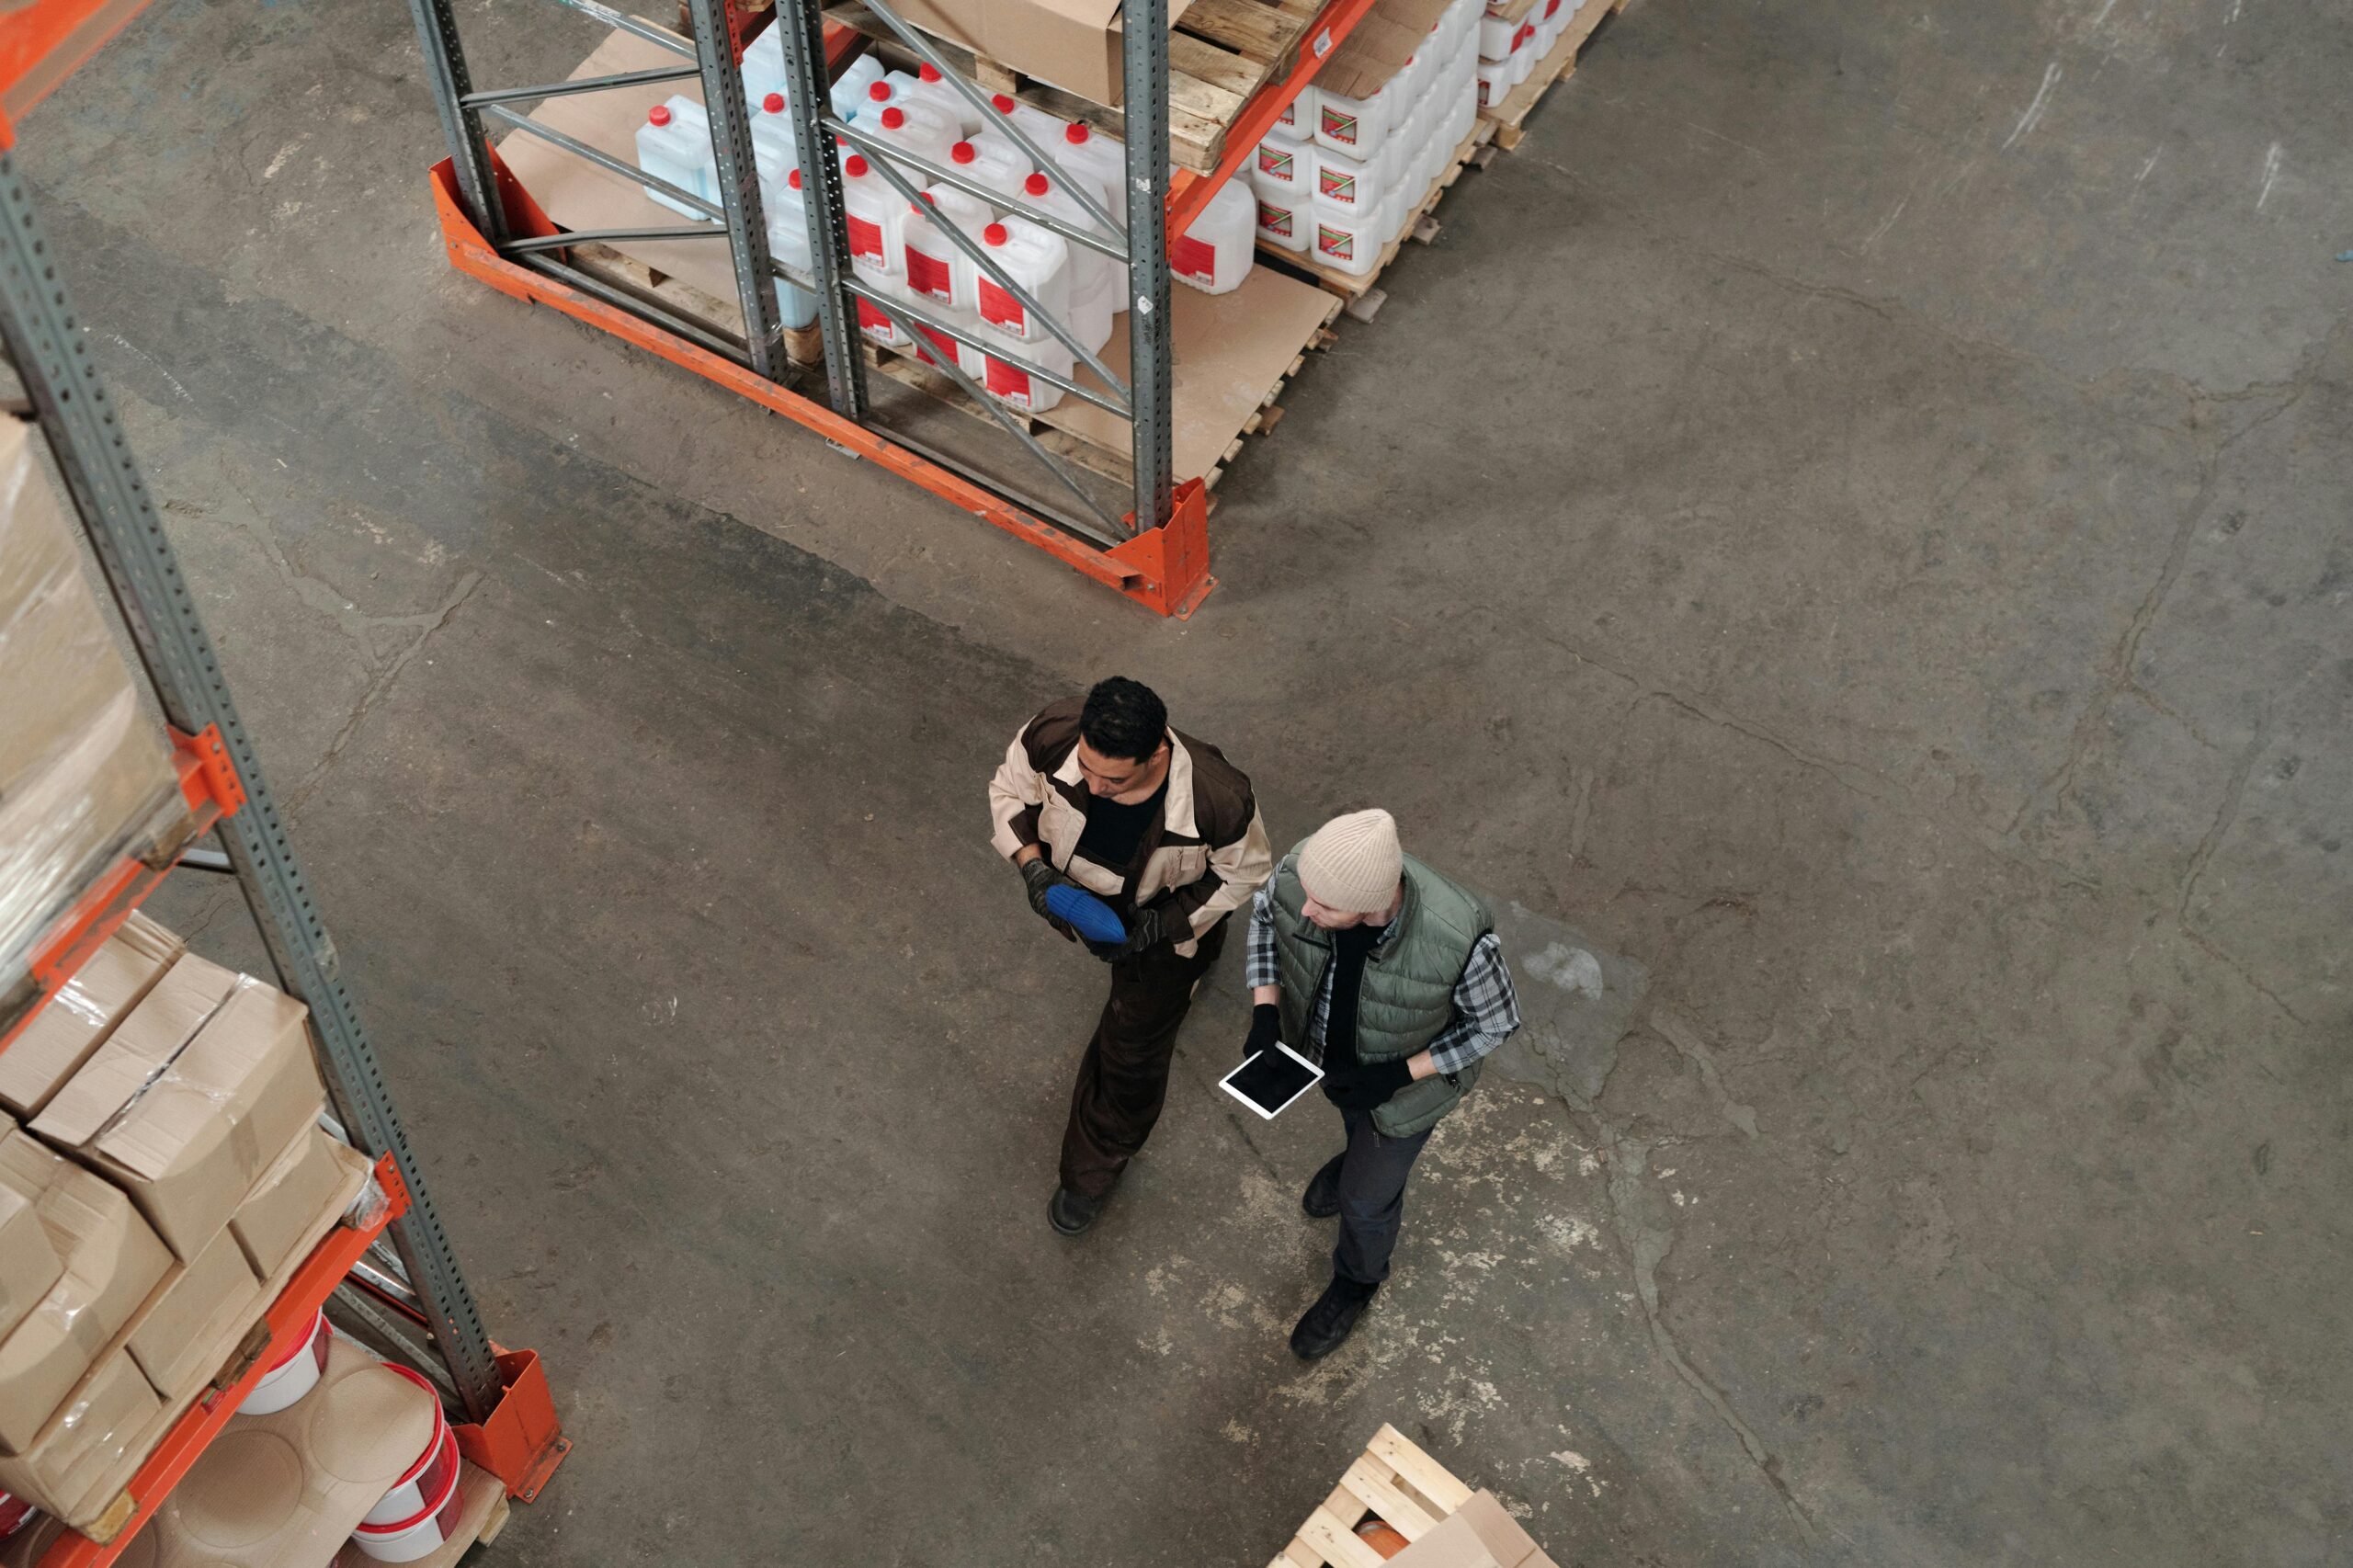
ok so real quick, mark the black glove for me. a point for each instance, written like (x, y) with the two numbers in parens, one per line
(1145, 929)
(1038, 875)
(1367, 1084)
(1265, 1029)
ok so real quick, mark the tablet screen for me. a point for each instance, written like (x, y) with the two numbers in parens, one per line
(1271, 1080)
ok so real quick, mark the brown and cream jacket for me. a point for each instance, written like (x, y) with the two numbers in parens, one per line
(1208, 852)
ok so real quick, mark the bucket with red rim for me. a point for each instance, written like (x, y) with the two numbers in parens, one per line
(14, 1512)
(292, 1374)
(422, 1533)
(434, 1470)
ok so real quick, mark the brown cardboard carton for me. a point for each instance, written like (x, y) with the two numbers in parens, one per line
(960, 22)
(174, 1336)
(81, 1457)
(140, 1046)
(1378, 47)
(300, 1184)
(189, 1139)
(112, 1263)
(285, 1491)
(1477, 1535)
(1075, 44)
(29, 1262)
(64, 1034)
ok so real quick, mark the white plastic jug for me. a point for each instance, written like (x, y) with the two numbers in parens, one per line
(789, 242)
(1038, 259)
(1345, 185)
(1461, 17)
(1495, 82)
(1006, 372)
(871, 210)
(1216, 252)
(1494, 36)
(990, 158)
(872, 322)
(1288, 223)
(1353, 128)
(850, 94)
(1097, 285)
(1046, 130)
(1297, 121)
(776, 147)
(675, 145)
(935, 348)
(932, 88)
(1348, 239)
(763, 67)
(918, 128)
(1281, 170)
(1087, 150)
(939, 273)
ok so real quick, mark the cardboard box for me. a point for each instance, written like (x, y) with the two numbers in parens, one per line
(67, 1032)
(112, 1264)
(1383, 41)
(304, 1182)
(84, 772)
(189, 1135)
(85, 1452)
(142, 1042)
(29, 1262)
(1477, 1535)
(198, 1304)
(1074, 44)
(285, 1491)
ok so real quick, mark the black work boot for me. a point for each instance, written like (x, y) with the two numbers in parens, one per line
(1070, 1213)
(1322, 1198)
(1327, 1322)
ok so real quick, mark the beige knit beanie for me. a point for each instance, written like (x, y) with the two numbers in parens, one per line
(1352, 863)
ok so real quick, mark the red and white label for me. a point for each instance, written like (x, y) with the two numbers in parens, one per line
(1008, 381)
(1338, 186)
(874, 323)
(1275, 164)
(1275, 220)
(1519, 38)
(1196, 259)
(930, 275)
(1339, 127)
(1001, 309)
(1338, 244)
(865, 237)
(939, 340)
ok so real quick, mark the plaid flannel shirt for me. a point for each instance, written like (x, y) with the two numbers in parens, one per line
(1486, 1009)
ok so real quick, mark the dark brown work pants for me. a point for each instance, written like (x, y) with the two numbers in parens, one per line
(1123, 1077)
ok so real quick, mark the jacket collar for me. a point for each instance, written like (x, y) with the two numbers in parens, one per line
(1176, 810)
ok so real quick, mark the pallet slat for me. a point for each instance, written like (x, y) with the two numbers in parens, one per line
(1376, 1482)
(1429, 1477)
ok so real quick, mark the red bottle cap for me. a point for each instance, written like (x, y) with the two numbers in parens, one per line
(854, 166)
(893, 117)
(880, 92)
(1035, 185)
(994, 233)
(928, 73)
(962, 153)
(658, 115)
(793, 179)
(1004, 102)
(1078, 132)
(773, 103)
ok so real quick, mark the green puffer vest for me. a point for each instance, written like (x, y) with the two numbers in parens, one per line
(1407, 999)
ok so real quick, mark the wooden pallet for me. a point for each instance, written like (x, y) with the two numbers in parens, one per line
(1510, 116)
(803, 346)
(1393, 1479)
(1363, 296)
(1219, 53)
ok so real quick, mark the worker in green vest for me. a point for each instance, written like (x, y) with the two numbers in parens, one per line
(1390, 975)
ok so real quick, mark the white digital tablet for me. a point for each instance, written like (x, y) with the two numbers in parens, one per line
(1269, 1081)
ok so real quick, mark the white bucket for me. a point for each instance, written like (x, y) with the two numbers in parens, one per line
(428, 1476)
(990, 157)
(293, 1373)
(939, 273)
(1006, 377)
(1038, 259)
(1291, 225)
(1097, 286)
(420, 1534)
(1217, 250)
(675, 145)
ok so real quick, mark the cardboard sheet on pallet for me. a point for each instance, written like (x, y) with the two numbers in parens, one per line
(1231, 349)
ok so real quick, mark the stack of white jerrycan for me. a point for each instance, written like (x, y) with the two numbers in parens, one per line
(1338, 178)
(1515, 35)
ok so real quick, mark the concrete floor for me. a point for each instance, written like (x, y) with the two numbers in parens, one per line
(1848, 525)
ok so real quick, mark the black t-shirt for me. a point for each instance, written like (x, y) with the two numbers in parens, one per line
(1350, 948)
(1114, 832)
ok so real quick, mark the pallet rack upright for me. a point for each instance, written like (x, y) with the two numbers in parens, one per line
(511, 1428)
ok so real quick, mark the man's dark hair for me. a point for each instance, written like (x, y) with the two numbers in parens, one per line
(1124, 717)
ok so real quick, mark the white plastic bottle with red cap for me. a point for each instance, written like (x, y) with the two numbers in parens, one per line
(1006, 372)
(1044, 129)
(990, 158)
(776, 147)
(763, 68)
(1039, 260)
(674, 144)
(1217, 250)
(789, 242)
(930, 87)
(871, 210)
(848, 93)
(1087, 150)
(1097, 286)
(913, 125)
(938, 272)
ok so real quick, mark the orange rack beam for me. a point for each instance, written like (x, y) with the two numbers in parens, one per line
(291, 1314)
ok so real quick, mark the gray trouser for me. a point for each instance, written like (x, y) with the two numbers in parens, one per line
(1372, 1198)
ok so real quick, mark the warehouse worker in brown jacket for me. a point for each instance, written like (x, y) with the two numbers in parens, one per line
(1103, 793)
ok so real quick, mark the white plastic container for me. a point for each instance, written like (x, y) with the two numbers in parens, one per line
(916, 127)
(293, 1372)
(419, 1535)
(1345, 185)
(1297, 121)
(1046, 130)
(428, 1475)
(1494, 36)
(1288, 223)
(763, 67)
(992, 158)
(1087, 150)
(675, 145)
(1496, 81)
(1349, 239)
(932, 88)
(789, 243)
(939, 273)
(1281, 170)
(776, 146)
(1353, 128)
(1038, 259)
(850, 94)
(1097, 288)
(1216, 252)
(1005, 375)
(871, 210)
(872, 322)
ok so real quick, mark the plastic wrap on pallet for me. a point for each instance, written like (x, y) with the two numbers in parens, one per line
(85, 774)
